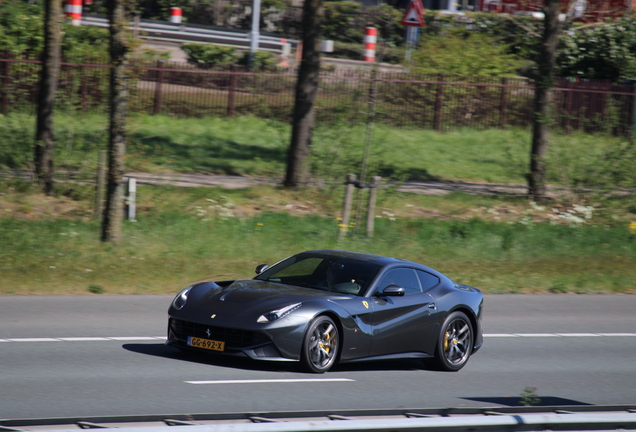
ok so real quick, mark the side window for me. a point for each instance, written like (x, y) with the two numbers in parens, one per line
(404, 277)
(428, 280)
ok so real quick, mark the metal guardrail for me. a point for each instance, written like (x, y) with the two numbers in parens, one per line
(497, 419)
(170, 32)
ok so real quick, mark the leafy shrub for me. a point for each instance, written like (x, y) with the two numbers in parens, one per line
(263, 61)
(22, 32)
(21, 29)
(210, 55)
(464, 54)
(605, 51)
(342, 21)
(85, 42)
(388, 20)
(96, 289)
(354, 51)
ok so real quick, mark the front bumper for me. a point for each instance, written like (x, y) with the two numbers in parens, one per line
(247, 343)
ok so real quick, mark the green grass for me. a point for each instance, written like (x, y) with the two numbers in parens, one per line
(49, 245)
(255, 146)
(184, 235)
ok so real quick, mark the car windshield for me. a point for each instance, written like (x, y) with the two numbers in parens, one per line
(329, 273)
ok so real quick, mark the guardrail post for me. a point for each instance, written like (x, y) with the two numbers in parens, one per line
(84, 89)
(231, 96)
(101, 180)
(634, 108)
(131, 199)
(503, 107)
(346, 213)
(158, 85)
(375, 181)
(568, 106)
(439, 99)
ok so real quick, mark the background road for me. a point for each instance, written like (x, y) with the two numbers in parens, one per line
(63, 356)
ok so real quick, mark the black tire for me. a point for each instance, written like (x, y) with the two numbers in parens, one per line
(455, 342)
(321, 345)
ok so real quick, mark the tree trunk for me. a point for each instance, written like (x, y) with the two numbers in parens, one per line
(306, 88)
(119, 53)
(542, 96)
(44, 138)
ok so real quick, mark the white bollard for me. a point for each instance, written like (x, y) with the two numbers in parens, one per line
(73, 11)
(370, 40)
(175, 15)
(131, 200)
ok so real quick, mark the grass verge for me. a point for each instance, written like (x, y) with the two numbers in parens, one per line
(184, 235)
(256, 146)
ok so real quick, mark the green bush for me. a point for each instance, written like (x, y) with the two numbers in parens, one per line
(606, 51)
(343, 21)
(21, 29)
(388, 20)
(85, 42)
(263, 61)
(224, 57)
(464, 54)
(210, 55)
(354, 51)
(22, 32)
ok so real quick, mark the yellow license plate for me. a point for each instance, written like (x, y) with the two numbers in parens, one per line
(206, 344)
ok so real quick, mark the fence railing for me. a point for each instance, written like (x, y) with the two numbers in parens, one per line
(436, 102)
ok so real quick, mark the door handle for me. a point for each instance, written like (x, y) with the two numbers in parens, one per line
(432, 306)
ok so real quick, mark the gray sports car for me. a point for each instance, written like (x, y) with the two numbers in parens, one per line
(327, 306)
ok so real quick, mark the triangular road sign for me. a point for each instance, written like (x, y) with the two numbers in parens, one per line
(413, 15)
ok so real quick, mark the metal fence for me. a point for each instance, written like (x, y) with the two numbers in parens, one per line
(408, 100)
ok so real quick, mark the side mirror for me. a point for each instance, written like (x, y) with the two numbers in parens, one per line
(393, 290)
(261, 268)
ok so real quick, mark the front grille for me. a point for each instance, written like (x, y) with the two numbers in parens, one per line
(233, 338)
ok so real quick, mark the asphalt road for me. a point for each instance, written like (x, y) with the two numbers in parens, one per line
(66, 356)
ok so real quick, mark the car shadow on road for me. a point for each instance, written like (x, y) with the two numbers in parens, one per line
(517, 401)
(164, 351)
(168, 352)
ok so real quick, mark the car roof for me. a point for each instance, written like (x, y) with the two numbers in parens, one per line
(383, 261)
(358, 256)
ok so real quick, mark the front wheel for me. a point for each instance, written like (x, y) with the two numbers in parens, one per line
(455, 342)
(320, 347)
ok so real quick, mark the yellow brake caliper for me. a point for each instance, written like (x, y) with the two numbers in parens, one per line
(327, 348)
(446, 336)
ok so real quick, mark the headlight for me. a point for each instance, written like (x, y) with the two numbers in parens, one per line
(181, 298)
(278, 314)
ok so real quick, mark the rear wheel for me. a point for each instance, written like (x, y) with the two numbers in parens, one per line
(455, 342)
(320, 347)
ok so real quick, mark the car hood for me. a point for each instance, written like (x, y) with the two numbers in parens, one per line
(251, 290)
(248, 298)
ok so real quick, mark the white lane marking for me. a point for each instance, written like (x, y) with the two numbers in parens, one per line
(86, 339)
(500, 335)
(260, 381)
(617, 334)
(132, 338)
(163, 338)
(539, 335)
(578, 334)
(536, 334)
